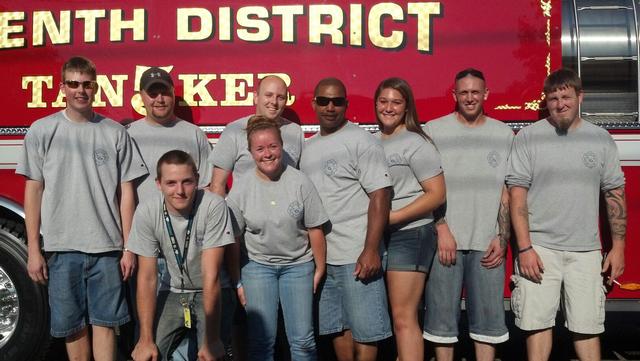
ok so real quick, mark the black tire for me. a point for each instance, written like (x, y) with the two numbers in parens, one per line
(30, 338)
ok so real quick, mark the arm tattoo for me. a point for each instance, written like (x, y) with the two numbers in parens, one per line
(504, 223)
(617, 212)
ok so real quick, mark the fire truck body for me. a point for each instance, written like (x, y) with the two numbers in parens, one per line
(217, 53)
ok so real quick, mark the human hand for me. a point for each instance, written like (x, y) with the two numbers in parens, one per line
(37, 268)
(145, 351)
(614, 264)
(368, 264)
(317, 277)
(494, 255)
(127, 264)
(530, 265)
(447, 247)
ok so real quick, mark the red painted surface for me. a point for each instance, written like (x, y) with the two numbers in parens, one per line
(504, 39)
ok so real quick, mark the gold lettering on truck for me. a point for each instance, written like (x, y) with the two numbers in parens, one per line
(334, 17)
(288, 14)
(6, 29)
(184, 24)
(424, 12)
(90, 23)
(36, 83)
(235, 90)
(114, 95)
(118, 25)
(44, 20)
(252, 17)
(191, 89)
(376, 31)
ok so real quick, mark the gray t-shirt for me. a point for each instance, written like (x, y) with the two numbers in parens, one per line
(344, 167)
(411, 160)
(564, 175)
(475, 162)
(275, 215)
(231, 153)
(81, 166)
(211, 228)
(154, 140)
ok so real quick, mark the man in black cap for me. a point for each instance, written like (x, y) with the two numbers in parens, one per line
(160, 130)
(157, 133)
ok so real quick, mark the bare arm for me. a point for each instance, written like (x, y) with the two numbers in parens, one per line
(146, 303)
(36, 264)
(219, 179)
(319, 249)
(497, 250)
(211, 264)
(447, 245)
(127, 208)
(232, 262)
(434, 195)
(530, 264)
(368, 264)
(617, 216)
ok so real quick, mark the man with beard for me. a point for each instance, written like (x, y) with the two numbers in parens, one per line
(559, 166)
(474, 231)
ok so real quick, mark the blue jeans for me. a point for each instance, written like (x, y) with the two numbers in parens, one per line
(85, 288)
(484, 300)
(347, 303)
(292, 286)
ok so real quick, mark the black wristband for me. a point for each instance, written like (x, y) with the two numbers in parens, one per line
(525, 249)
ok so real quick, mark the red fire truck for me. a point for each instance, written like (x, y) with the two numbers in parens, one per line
(217, 51)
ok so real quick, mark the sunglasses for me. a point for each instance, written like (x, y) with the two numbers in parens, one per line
(154, 92)
(337, 101)
(87, 84)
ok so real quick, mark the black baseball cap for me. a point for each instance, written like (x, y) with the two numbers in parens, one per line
(155, 75)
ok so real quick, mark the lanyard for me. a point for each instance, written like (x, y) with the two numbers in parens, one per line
(181, 258)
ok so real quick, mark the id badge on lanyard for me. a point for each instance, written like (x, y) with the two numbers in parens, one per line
(181, 258)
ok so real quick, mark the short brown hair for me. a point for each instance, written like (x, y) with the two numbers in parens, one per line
(79, 64)
(176, 157)
(257, 123)
(560, 79)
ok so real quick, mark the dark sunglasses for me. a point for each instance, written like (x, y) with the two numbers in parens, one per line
(337, 101)
(154, 92)
(87, 84)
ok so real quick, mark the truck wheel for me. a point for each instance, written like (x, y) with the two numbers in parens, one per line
(24, 309)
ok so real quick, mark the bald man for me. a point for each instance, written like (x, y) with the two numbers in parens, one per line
(231, 153)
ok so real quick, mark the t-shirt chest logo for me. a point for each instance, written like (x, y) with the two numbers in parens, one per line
(394, 159)
(100, 156)
(590, 159)
(330, 167)
(493, 158)
(295, 210)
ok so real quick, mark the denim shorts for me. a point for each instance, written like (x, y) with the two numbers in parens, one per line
(574, 278)
(350, 304)
(484, 300)
(411, 249)
(85, 288)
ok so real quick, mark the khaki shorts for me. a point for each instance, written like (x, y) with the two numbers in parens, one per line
(574, 278)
